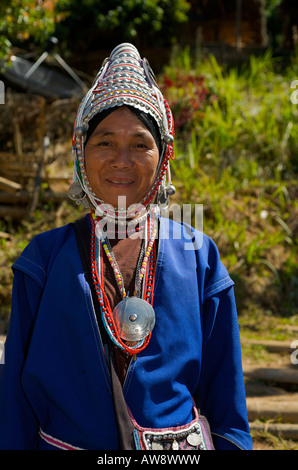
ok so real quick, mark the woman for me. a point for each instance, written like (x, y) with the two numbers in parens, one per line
(118, 333)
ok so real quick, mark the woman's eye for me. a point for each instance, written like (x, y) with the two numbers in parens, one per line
(103, 144)
(141, 145)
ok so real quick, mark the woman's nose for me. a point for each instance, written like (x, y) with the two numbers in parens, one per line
(122, 158)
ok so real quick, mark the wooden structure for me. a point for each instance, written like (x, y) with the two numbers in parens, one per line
(30, 169)
(225, 28)
(238, 23)
(289, 12)
(21, 180)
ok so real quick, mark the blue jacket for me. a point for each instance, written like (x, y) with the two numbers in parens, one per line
(55, 375)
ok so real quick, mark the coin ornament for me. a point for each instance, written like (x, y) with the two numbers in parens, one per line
(194, 439)
(156, 446)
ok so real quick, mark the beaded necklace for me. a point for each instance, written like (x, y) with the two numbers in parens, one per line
(144, 279)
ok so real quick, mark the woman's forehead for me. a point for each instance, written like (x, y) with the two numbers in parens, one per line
(121, 117)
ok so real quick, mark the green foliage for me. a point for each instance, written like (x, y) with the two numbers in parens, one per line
(236, 153)
(83, 25)
(135, 14)
(274, 23)
(112, 21)
(21, 20)
(241, 114)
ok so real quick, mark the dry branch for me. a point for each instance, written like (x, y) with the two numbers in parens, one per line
(8, 185)
(287, 431)
(285, 375)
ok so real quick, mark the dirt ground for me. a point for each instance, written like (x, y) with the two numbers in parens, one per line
(272, 394)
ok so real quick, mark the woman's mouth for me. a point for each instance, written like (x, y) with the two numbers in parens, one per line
(120, 182)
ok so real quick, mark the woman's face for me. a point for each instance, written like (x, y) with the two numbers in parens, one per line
(121, 158)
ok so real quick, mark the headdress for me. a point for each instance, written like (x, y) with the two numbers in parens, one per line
(124, 79)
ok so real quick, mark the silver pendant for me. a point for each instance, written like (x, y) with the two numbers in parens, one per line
(175, 445)
(134, 318)
(75, 191)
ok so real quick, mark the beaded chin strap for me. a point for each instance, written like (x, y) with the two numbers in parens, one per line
(124, 79)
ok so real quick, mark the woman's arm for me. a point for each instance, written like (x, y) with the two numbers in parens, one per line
(221, 391)
(18, 424)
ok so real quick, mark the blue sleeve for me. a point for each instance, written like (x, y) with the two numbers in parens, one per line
(18, 424)
(222, 394)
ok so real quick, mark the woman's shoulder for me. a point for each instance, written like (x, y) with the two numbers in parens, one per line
(201, 251)
(45, 241)
(41, 250)
(191, 238)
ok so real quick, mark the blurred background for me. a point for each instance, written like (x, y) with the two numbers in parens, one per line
(229, 70)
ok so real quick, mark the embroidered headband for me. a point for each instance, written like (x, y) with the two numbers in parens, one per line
(146, 119)
(124, 79)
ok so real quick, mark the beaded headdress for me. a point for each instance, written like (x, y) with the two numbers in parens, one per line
(124, 79)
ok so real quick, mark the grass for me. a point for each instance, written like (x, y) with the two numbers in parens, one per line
(240, 162)
(267, 441)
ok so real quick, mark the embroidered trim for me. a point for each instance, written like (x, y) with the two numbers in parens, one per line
(57, 442)
(191, 436)
(171, 439)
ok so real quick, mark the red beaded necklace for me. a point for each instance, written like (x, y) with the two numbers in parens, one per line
(96, 256)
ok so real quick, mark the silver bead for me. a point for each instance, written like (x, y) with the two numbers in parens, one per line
(168, 139)
(81, 130)
(170, 190)
(133, 317)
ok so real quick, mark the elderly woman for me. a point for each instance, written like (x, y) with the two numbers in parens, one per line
(121, 337)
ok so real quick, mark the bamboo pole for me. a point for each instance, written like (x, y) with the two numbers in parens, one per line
(282, 407)
(8, 185)
(12, 212)
(285, 375)
(272, 346)
(23, 197)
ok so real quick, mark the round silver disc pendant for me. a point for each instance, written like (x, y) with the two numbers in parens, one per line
(134, 318)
